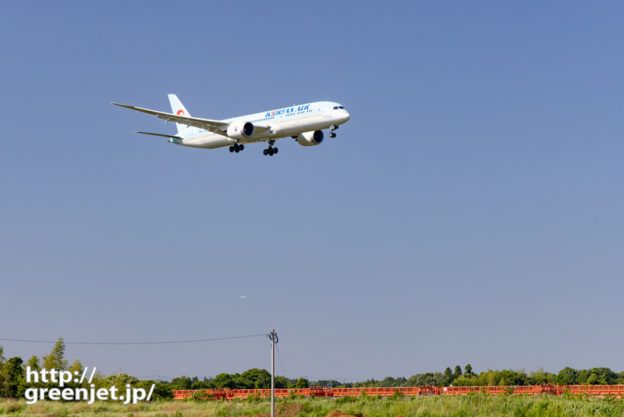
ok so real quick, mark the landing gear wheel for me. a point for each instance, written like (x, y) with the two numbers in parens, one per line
(275, 150)
(242, 147)
(332, 135)
(270, 150)
(231, 149)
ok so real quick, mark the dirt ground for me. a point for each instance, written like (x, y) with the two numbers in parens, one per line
(285, 410)
(292, 410)
(338, 413)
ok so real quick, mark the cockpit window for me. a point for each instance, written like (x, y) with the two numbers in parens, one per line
(335, 107)
(340, 107)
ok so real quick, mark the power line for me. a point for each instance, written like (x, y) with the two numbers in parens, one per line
(164, 342)
(279, 356)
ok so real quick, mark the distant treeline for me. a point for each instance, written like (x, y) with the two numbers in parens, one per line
(13, 377)
(259, 378)
(467, 377)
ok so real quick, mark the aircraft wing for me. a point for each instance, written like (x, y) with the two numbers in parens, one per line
(160, 134)
(215, 126)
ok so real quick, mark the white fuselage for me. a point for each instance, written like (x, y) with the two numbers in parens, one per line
(284, 122)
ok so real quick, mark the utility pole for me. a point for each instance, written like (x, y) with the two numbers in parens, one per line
(274, 339)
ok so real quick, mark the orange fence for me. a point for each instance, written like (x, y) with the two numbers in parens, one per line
(230, 394)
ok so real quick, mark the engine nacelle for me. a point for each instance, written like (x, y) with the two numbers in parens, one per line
(310, 138)
(238, 130)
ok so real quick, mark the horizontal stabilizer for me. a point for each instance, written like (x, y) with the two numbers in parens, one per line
(161, 135)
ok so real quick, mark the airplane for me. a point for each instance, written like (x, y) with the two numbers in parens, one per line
(304, 123)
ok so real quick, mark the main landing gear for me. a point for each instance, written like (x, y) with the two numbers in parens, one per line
(270, 150)
(237, 148)
(331, 131)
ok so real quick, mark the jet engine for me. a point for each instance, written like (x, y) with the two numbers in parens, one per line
(310, 138)
(238, 130)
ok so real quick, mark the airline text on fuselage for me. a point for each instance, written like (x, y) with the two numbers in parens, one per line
(287, 110)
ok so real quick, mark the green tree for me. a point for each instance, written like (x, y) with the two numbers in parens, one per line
(458, 372)
(182, 382)
(388, 382)
(4, 382)
(596, 376)
(368, 383)
(281, 382)
(76, 366)
(540, 377)
(509, 377)
(4, 385)
(582, 375)
(162, 391)
(605, 376)
(566, 376)
(206, 383)
(14, 377)
(330, 383)
(256, 378)
(430, 378)
(56, 358)
(119, 380)
(302, 383)
(462, 381)
(76, 369)
(224, 381)
(448, 376)
(468, 371)
(33, 362)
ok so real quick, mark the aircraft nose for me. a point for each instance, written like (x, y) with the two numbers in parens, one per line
(346, 116)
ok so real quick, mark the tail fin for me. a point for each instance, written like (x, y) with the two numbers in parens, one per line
(178, 108)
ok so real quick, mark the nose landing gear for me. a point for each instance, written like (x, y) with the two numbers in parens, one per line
(331, 131)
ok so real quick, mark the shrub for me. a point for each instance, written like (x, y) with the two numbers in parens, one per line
(201, 396)
(396, 394)
(346, 399)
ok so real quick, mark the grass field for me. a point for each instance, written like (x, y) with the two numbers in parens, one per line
(473, 405)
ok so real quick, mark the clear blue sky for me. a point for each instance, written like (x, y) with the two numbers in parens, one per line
(470, 211)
